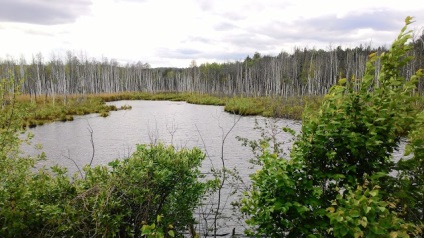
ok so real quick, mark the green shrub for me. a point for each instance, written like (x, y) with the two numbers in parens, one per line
(352, 137)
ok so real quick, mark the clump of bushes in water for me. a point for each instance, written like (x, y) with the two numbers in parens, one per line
(337, 182)
(103, 201)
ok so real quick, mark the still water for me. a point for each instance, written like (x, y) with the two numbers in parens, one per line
(177, 123)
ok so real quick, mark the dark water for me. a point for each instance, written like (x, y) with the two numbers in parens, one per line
(177, 123)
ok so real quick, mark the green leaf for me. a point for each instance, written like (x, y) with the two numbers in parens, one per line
(382, 209)
(330, 209)
(354, 213)
(159, 218)
(367, 209)
(363, 222)
(374, 193)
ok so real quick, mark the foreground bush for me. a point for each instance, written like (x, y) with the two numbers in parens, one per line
(110, 201)
(325, 189)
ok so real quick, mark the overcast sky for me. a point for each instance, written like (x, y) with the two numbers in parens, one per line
(175, 32)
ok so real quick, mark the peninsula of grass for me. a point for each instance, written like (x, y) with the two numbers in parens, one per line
(45, 109)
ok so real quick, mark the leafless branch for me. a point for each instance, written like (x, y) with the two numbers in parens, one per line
(92, 144)
(75, 163)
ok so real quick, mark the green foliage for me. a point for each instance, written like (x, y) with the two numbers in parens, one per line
(10, 119)
(281, 199)
(17, 208)
(353, 135)
(411, 176)
(364, 212)
(155, 231)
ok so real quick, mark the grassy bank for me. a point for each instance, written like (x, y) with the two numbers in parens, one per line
(290, 108)
(45, 109)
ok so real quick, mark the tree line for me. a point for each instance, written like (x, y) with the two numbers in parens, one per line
(303, 72)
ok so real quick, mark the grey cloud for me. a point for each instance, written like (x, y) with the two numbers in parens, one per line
(252, 41)
(200, 39)
(189, 52)
(233, 15)
(321, 32)
(225, 26)
(242, 11)
(245, 42)
(233, 56)
(43, 12)
(230, 14)
(197, 54)
(178, 53)
(205, 5)
(377, 20)
(331, 29)
(133, 1)
(36, 32)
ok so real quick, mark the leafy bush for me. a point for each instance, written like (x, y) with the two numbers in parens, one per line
(351, 138)
(109, 201)
(363, 212)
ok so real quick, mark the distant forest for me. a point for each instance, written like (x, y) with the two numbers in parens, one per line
(304, 72)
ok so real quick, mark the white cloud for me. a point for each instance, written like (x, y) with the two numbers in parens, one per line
(172, 33)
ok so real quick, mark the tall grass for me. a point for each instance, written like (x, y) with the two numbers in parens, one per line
(290, 108)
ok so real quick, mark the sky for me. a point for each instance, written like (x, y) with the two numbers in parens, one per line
(173, 33)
